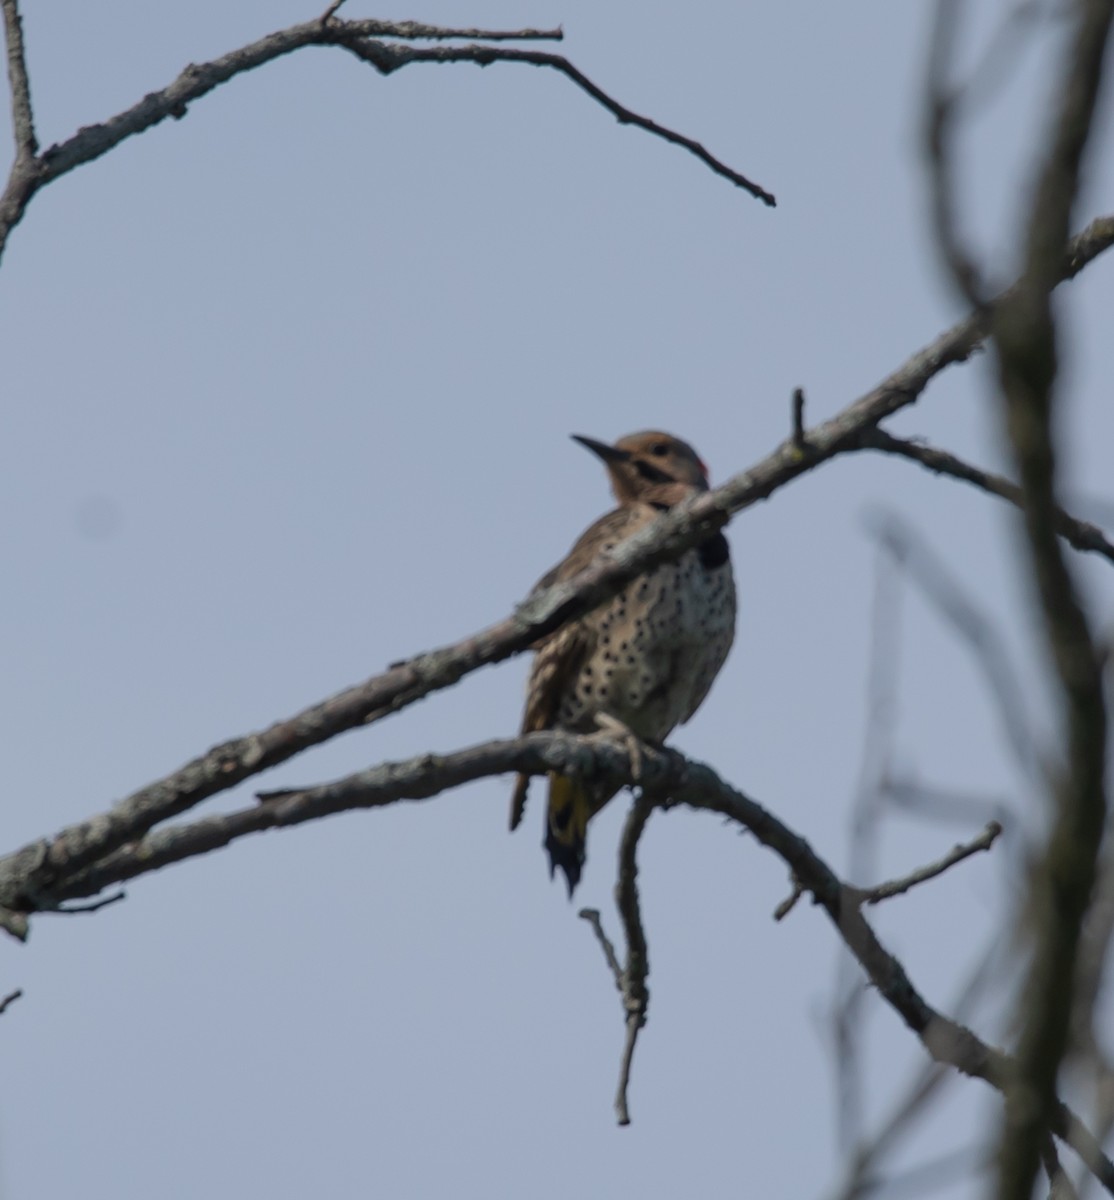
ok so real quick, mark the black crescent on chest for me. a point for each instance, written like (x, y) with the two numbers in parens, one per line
(714, 552)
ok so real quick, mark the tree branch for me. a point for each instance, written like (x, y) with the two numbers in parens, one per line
(29, 877)
(1026, 340)
(10, 998)
(23, 123)
(387, 58)
(662, 773)
(636, 995)
(1082, 535)
(975, 628)
(32, 173)
(898, 887)
(940, 109)
(592, 916)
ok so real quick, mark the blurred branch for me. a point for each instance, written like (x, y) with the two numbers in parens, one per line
(32, 172)
(976, 629)
(1082, 535)
(10, 998)
(897, 887)
(1059, 1185)
(883, 710)
(940, 109)
(1025, 336)
(23, 122)
(29, 877)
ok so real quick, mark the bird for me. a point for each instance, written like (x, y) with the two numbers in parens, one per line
(642, 662)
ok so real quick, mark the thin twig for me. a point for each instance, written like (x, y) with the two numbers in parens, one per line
(23, 121)
(940, 108)
(10, 998)
(592, 916)
(386, 58)
(799, 439)
(1083, 535)
(883, 710)
(898, 887)
(790, 902)
(93, 906)
(636, 995)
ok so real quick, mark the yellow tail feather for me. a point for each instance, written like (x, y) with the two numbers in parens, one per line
(566, 827)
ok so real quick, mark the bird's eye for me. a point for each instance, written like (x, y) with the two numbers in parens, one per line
(659, 450)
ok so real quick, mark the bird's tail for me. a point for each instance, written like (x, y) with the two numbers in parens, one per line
(518, 800)
(566, 826)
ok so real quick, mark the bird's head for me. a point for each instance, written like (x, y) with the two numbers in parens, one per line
(651, 467)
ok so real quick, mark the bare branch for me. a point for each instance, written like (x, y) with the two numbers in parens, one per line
(790, 902)
(940, 107)
(387, 58)
(1026, 340)
(420, 778)
(93, 906)
(10, 998)
(29, 877)
(1083, 535)
(897, 887)
(592, 916)
(23, 122)
(360, 38)
(662, 773)
(799, 419)
(636, 995)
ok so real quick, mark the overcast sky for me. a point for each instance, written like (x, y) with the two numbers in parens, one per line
(287, 393)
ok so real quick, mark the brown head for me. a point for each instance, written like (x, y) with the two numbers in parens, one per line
(652, 467)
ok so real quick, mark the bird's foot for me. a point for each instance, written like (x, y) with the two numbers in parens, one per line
(611, 727)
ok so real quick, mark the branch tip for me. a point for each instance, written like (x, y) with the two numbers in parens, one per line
(799, 439)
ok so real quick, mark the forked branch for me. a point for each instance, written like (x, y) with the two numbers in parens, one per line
(364, 38)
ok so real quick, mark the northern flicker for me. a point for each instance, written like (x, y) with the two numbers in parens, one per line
(644, 659)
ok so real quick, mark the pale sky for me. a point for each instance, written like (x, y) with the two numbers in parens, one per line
(288, 388)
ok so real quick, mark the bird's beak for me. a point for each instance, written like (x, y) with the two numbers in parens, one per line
(609, 454)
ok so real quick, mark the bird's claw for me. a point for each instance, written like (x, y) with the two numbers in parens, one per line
(614, 729)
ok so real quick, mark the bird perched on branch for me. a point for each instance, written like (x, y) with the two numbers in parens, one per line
(645, 659)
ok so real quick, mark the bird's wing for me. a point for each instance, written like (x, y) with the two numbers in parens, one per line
(557, 663)
(561, 654)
